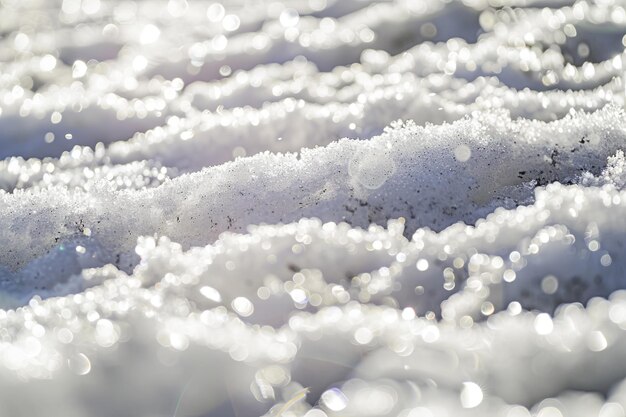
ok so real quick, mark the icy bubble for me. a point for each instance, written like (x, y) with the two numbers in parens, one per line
(471, 395)
(334, 399)
(371, 168)
(79, 364)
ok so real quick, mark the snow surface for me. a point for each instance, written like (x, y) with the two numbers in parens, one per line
(312, 208)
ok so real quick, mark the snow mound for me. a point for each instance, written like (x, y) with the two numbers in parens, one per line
(312, 208)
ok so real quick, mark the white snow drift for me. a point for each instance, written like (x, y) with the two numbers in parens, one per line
(312, 208)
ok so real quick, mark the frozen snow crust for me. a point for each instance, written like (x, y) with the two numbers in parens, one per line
(312, 208)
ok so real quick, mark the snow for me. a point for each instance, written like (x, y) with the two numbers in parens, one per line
(312, 208)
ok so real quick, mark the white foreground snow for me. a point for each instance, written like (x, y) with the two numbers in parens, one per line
(312, 208)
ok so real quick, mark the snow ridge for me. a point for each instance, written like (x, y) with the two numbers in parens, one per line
(312, 208)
